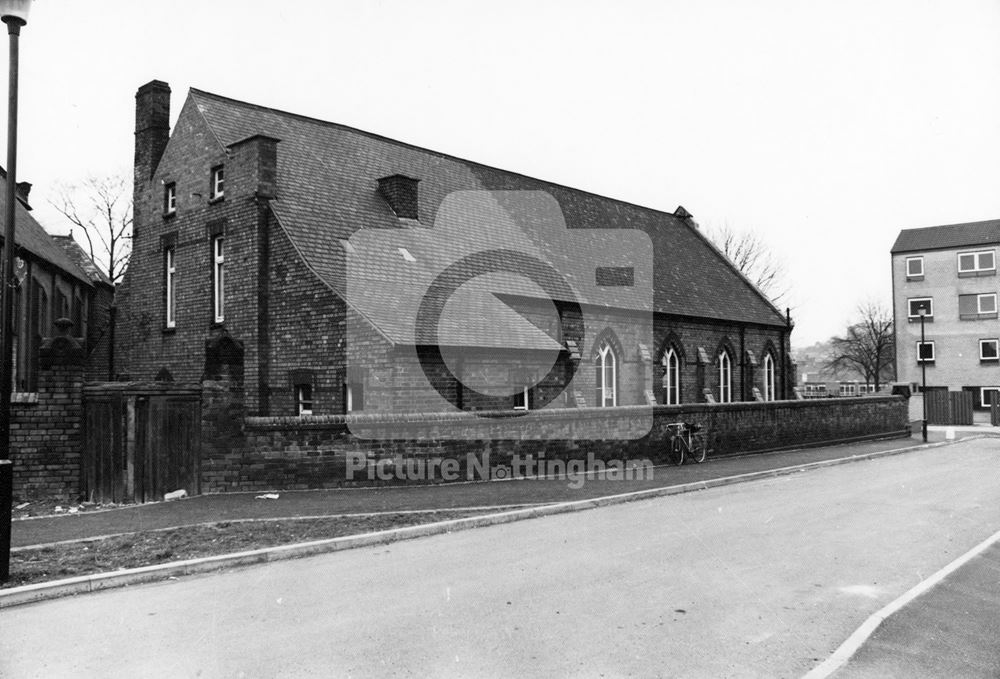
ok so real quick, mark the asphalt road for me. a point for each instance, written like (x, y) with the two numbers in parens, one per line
(762, 579)
(951, 631)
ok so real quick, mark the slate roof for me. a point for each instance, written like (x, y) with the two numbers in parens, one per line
(327, 178)
(75, 252)
(948, 236)
(29, 235)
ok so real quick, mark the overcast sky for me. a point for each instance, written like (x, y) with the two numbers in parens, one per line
(825, 127)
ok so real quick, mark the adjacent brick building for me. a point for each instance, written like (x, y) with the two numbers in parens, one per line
(56, 279)
(950, 274)
(246, 219)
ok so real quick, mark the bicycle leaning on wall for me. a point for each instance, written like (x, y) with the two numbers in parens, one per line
(687, 441)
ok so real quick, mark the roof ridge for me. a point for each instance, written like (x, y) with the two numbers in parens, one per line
(945, 226)
(382, 137)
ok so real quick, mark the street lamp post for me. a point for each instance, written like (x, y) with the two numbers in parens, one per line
(14, 13)
(923, 370)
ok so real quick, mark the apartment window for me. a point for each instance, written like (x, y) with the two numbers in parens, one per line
(925, 352)
(671, 378)
(725, 377)
(218, 278)
(978, 263)
(218, 178)
(985, 394)
(607, 374)
(304, 399)
(170, 199)
(916, 304)
(989, 350)
(977, 306)
(914, 267)
(169, 274)
(769, 392)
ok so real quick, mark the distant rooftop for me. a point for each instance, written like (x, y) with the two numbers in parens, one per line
(948, 236)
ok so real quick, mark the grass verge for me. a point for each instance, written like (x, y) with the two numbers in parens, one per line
(148, 548)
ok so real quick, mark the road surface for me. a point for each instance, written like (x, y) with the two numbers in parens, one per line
(762, 579)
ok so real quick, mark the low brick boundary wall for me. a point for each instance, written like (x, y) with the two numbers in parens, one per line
(297, 453)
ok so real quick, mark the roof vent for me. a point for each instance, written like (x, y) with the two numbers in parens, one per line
(400, 192)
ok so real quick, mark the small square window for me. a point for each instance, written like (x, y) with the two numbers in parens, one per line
(914, 267)
(170, 199)
(985, 394)
(987, 303)
(925, 352)
(304, 399)
(989, 350)
(921, 303)
(218, 183)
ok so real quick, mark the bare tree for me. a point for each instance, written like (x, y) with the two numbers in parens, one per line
(751, 255)
(102, 208)
(868, 347)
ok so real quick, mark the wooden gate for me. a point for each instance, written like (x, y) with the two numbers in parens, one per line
(140, 441)
(949, 407)
(103, 466)
(995, 408)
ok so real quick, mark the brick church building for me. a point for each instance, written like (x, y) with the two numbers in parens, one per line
(246, 226)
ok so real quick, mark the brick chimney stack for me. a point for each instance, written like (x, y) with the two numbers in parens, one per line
(253, 167)
(152, 128)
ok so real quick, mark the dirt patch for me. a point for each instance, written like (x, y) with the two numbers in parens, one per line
(148, 548)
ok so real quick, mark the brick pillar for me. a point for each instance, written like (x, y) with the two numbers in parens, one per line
(47, 430)
(222, 437)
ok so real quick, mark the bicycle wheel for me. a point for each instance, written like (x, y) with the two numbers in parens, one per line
(699, 448)
(676, 453)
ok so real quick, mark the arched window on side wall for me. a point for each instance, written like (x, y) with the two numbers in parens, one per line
(725, 377)
(769, 392)
(671, 378)
(606, 374)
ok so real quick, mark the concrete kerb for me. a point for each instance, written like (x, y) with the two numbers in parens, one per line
(91, 583)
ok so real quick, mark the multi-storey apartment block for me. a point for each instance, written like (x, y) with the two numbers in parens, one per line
(948, 276)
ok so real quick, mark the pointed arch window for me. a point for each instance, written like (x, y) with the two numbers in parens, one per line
(671, 378)
(725, 377)
(607, 374)
(769, 391)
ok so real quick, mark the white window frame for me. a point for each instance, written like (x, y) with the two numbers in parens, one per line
(219, 278)
(933, 356)
(769, 391)
(996, 349)
(985, 402)
(976, 254)
(524, 403)
(725, 377)
(301, 399)
(170, 198)
(910, 274)
(930, 307)
(218, 182)
(979, 302)
(672, 378)
(608, 362)
(170, 278)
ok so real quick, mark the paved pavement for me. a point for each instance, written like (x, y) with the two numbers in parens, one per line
(762, 579)
(951, 631)
(230, 506)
